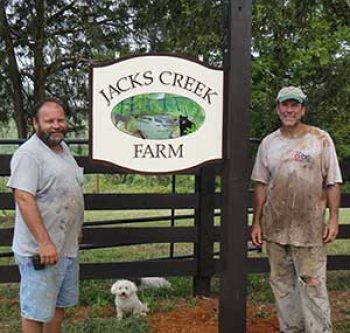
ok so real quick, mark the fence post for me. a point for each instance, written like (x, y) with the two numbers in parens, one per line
(204, 221)
(172, 214)
(233, 250)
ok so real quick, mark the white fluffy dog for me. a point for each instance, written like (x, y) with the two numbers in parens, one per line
(153, 282)
(126, 299)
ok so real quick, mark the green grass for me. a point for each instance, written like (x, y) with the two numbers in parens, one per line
(338, 280)
(137, 184)
(96, 312)
(342, 326)
(102, 215)
(92, 325)
(110, 325)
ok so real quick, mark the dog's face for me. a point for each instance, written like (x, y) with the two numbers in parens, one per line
(123, 289)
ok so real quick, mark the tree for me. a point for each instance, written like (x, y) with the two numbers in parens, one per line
(297, 42)
(189, 27)
(47, 47)
(12, 72)
(305, 43)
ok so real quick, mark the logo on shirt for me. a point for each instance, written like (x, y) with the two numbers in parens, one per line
(301, 157)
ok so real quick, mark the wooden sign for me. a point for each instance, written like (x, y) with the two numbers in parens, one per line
(156, 113)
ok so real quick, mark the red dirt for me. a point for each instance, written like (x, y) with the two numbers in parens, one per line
(203, 318)
(200, 315)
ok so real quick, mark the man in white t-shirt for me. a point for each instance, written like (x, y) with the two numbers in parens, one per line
(47, 187)
(297, 176)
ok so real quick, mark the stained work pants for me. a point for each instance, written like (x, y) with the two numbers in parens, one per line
(298, 281)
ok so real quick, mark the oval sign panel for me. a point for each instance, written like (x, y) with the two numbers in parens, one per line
(158, 116)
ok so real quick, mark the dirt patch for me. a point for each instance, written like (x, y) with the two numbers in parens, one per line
(340, 305)
(262, 318)
(81, 313)
(202, 317)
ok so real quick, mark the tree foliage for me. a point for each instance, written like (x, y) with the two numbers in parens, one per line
(190, 27)
(304, 43)
(46, 47)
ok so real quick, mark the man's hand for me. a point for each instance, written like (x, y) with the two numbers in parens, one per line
(48, 253)
(256, 235)
(333, 200)
(260, 199)
(331, 231)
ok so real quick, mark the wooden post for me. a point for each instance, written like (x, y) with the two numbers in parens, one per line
(172, 214)
(232, 316)
(204, 221)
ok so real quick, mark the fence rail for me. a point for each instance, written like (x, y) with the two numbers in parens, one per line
(206, 204)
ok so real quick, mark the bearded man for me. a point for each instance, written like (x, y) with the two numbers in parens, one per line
(47, 187)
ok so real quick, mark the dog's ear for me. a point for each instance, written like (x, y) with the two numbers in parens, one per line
(114, 288)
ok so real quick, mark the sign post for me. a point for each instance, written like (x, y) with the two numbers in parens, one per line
(232, 317)
(164, 114)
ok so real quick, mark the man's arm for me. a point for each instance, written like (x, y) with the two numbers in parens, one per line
(32, 218)
(333, 201)
(260, 199)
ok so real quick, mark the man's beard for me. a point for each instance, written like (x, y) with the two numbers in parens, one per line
(51, 139)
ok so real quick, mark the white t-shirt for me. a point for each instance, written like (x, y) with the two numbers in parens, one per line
(296, 172)
(55, 180)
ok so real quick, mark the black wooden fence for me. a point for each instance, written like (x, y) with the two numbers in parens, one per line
(204, 201)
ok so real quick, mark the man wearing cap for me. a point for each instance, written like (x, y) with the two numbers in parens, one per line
(297, 176)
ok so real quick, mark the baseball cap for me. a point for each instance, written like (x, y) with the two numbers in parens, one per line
(291, 92)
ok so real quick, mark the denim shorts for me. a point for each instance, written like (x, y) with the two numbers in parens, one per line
(42, 291)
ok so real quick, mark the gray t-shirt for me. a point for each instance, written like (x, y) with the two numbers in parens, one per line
(56, 181)
(296, 172)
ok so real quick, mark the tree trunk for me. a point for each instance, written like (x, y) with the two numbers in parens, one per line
(13, 73)
(39, 74)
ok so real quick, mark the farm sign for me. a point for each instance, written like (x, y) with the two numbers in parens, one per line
(156, 113)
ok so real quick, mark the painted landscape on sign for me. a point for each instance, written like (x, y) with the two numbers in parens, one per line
(158, 116)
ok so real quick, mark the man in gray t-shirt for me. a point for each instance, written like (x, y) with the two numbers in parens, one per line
(297, 176)
(47, 186)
